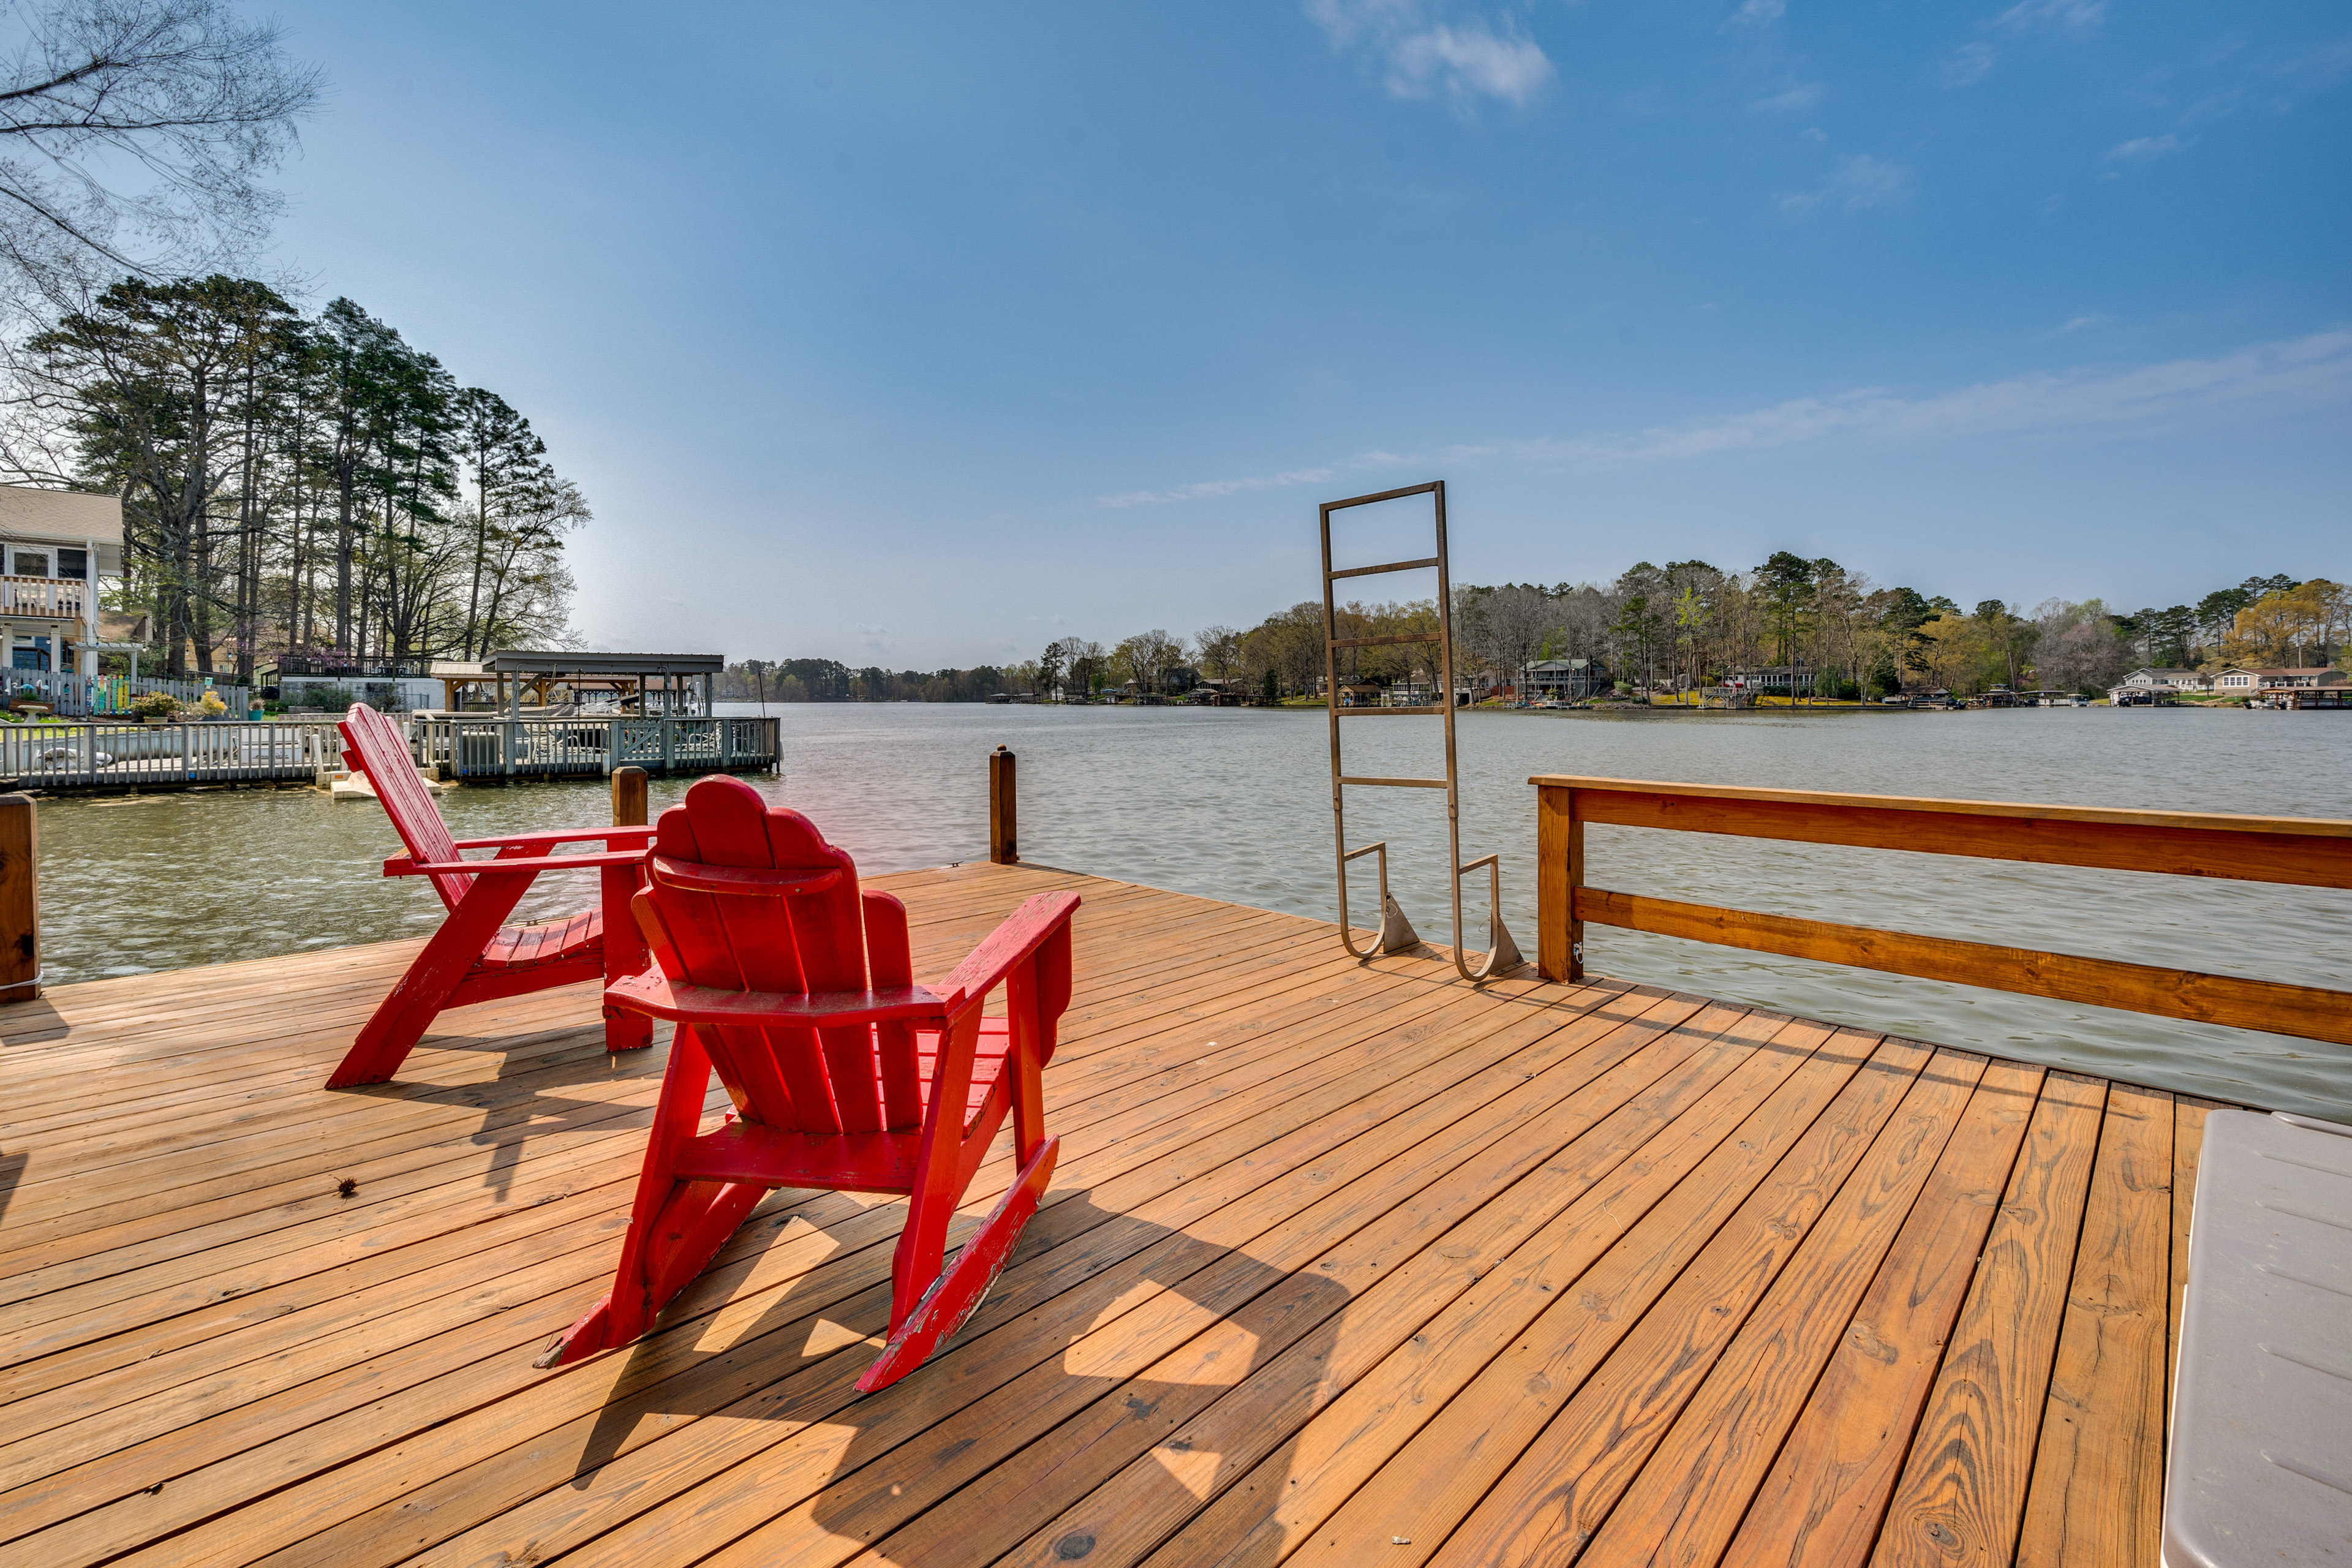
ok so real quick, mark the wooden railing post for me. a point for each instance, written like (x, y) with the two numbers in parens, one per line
(629, 797)
(1560, 871)
(20, 900)
(1003, 841)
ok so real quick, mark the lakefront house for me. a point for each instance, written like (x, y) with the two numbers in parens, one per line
(58, 544)
(2243, 681)
(2167, 681)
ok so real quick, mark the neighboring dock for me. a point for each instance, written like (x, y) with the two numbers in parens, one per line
(72, 757)
(1342, 1263)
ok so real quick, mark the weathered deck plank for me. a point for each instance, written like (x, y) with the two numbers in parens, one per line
(1340, 1259)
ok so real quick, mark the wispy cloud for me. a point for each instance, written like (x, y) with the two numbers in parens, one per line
(1972, 62)
(2077, 325)
(1466, 58)
(1859, 180)
(1755, 13)
(1803, 96)
(2304, 373)
(1966, 65)
(1212, 488)
(2312, 370)
(2143, 150)
(2075, 15)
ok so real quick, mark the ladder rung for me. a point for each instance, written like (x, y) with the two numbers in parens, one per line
(1381, 642)
(1391, 566)
(1432, 708)
(1398, 783)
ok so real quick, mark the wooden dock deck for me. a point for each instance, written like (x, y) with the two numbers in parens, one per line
(1341, 1264)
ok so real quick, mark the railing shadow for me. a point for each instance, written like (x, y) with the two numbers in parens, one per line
(509, 1122)
(1020, 1362)
(12, 1171)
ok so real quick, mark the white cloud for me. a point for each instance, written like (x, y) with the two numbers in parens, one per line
(2143, 148)
(1800, 97)
(1468, 61)
(2304, 373)
(1859, 180)
(2078, 323)
(1465, 58)
(1967, 65)
(1755, 13)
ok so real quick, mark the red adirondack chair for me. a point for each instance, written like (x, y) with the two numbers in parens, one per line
(475, 956)
(798, 989)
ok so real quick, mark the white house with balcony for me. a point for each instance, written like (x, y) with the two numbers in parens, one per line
(53, 547)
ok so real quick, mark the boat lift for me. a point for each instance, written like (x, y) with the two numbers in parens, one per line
(1396, 931)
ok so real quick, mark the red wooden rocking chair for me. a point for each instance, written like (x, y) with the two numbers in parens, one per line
(799, 990)
(473, 957)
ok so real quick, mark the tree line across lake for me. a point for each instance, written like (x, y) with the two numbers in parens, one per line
(1677, 627)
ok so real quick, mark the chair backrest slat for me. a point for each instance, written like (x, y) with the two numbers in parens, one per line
(376, 742)
(826, 1081)
(889, 957)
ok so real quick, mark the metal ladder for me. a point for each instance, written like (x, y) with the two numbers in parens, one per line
(1396, 931)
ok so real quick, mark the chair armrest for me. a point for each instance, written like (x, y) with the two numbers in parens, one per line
(518, 865)
(584, 836)
(658, 996)
(1023, 933)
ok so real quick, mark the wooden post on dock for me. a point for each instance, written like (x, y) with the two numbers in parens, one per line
(1004, 842)
(1560, 872)
(20, 900)
(629, 797)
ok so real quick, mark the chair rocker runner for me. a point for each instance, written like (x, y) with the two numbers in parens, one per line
(475, 957)
(797, 988)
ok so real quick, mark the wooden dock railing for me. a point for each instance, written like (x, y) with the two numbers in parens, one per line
(2300, 851)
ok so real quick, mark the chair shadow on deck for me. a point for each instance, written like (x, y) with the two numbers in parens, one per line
(1078, 1268)
(509, 1120)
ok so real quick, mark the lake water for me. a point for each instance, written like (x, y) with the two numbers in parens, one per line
(1234, 804)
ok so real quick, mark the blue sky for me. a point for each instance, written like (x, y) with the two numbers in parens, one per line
(920, 334)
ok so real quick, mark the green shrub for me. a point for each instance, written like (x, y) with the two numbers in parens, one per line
(154, 705)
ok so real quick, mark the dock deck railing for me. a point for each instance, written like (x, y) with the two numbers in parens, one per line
(62, 755)
(2298, 851)
(74, 756)
(485, 746)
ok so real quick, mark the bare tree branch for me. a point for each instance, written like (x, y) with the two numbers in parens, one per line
(135, 135)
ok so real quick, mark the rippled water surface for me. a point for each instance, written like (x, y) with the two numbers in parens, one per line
(1235, 805)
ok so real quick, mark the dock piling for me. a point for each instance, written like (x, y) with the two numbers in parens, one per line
(20, 899)
(1003, 841)
(629, 797)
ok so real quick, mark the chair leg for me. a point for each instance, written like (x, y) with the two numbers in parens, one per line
(675, 1227)
(963, 1287)
(1025, 1061)
(625, 954)
(915, 1266)
(416, 999)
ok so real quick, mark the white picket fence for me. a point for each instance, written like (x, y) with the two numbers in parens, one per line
(63, 755)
